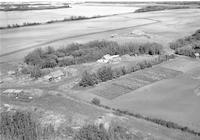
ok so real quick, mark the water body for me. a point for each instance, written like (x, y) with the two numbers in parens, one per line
(41, 16)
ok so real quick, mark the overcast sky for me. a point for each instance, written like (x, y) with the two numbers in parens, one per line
(86, 0)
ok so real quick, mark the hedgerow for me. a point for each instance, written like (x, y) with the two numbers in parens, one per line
(158, 121)
(88, 52)
(187, 46)
(106, 73)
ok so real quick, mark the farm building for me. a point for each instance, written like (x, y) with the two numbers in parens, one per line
(139, 33)
(12, 91)
(11, 72)
(18, 94)
(109, 59)
(113, 35)
(197, 55)
(54, 75)
(70, 71)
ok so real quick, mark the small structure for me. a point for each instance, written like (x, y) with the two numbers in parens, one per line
(23, 97)
(18, 94)
(109, 59)
(139, 33)
(197, 55)
(54, 75)
(101, 121)
(7, 107)
(113, 35)
(13, 91)
(70, 72)
(11, 72)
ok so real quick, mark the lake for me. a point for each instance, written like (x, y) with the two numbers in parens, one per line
(41, 16)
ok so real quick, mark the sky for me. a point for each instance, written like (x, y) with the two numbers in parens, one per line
(86, 0)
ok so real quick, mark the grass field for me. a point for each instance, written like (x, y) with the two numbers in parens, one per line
(174, 99)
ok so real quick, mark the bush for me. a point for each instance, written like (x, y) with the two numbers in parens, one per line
(59, 54)
(18, 125)
(91, 132)
(88, 80)
(49, 63)
(66, 62)
(34, 58)
(49, 50)
(26, 69)
(185, 51)
(187, 46)
(36, 72)
(105, 74)
(96, 101)
(115, 132)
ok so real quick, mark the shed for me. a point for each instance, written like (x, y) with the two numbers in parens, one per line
(109, 59)
(11, 72)
(113, 35)
(137, 33)
(57, 74)
(197, 55)
(12, 91)
(54, 75)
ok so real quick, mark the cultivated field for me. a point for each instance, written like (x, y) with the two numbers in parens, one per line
(130, 82)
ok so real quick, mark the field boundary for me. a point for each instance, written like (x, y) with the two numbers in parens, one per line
(164, 123)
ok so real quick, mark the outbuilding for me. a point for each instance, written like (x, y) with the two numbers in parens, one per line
(197, 55)
(54, 75)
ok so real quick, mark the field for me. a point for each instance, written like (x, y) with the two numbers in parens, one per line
(172, 99)
(124, 85)
(162, 27)
(59, 13)
(149, 101)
